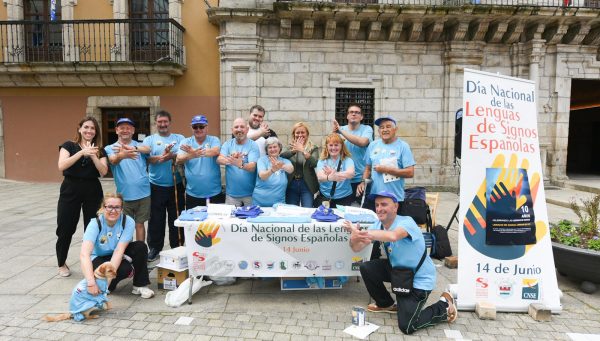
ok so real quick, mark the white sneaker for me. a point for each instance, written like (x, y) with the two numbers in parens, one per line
(145, 292)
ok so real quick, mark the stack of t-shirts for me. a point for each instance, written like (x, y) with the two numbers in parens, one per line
(363, 218)
(248, 212)
(193, 215)
(324, 214)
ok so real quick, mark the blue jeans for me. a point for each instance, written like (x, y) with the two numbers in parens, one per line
(298, 194)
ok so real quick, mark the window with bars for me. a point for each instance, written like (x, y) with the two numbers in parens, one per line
(346, 96)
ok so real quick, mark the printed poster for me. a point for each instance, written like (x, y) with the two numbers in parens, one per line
(504, 241)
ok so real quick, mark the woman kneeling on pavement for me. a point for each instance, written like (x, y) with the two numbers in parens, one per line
(109, 237)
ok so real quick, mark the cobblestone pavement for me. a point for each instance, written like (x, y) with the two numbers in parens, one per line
(249, 309)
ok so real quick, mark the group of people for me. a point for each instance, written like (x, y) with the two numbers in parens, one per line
(259, 170)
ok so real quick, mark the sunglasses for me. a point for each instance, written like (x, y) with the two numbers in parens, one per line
(198, 126)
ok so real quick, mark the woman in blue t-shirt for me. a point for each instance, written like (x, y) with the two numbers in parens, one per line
(271, 175)
(82, 161)
(109, 238)
(335, 167)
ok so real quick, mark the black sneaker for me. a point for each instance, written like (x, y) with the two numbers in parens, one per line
(153, 255)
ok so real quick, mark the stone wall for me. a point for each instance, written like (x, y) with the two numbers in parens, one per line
(417, 82)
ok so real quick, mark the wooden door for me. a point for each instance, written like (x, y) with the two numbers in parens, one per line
(43, 39)
(149, 41)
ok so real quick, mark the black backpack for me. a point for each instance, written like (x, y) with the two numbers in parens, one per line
(415, 206)
(441, 245)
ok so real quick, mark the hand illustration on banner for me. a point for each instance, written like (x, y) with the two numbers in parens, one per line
(507, 191)
(206, 233)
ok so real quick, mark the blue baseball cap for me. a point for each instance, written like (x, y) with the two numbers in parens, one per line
(383, 119)
(125, 120)
(199, 119)
(383, 194)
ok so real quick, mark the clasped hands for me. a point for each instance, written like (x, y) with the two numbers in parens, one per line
(198, 152)
(235, 159)
(276, 164)
(126, 151)
(89, 150)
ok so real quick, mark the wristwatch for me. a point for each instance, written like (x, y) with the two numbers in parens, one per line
(242, 165)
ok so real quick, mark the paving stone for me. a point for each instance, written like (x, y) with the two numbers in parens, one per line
(249, 334)
(120, 332)
(138, 334)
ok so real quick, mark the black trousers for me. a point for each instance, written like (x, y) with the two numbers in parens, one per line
(411, 314)
(75, 195)
(162, 206)
(137, 268)
(191, 202)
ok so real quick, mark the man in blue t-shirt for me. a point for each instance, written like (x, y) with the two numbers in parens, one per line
(127, 160)
(239, 156)
(166, 187)
(203, 175)
(388, 161)
(357, 138)
(404, 246)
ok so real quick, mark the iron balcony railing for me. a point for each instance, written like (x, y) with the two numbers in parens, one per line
(92, 41)
(533, 3)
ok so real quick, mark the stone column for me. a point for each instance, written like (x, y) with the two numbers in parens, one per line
(70, 47)
(240, 48)
(175, 37)
(458, 55)
(14, 52)
(119, 50)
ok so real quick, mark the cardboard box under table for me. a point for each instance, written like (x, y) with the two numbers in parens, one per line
(174, 259)
(169, 279)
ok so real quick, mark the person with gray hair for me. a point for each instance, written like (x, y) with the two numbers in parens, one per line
(272, 179)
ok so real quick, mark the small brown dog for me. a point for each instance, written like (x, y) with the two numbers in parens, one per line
(83, 303)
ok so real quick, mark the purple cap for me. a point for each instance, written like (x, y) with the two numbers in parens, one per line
(383, 119)
(199, 119)
(383, 194)
(125, 120)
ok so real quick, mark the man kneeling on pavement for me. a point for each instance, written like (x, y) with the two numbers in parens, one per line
(404, 247)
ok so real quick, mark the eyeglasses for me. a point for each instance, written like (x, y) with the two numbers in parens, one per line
(354, 112)
(113, 208)
(198, 126)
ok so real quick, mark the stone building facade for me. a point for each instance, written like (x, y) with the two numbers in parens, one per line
(291, 56)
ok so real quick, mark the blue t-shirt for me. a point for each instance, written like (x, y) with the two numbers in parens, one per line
(399, 153)
(407, 252)
(130, 175)
(271, 191)
(343, 188)
(203, 174)
(106, 238)
(161, 174)
(358, 153)
(240, 183)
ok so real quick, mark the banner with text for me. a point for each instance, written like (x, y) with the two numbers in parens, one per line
(504, 241)
(238, 248)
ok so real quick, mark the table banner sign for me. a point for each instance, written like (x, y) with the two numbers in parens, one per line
(237, 248)
(504, 241)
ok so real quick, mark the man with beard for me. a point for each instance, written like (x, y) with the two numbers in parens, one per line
(239, 156)
(357, 137)
(259, 129)
(388, 161)
(163, 146)
(127, 160)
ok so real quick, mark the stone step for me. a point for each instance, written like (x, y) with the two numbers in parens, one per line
(564, 196)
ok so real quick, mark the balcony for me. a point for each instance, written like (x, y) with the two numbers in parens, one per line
(91, 53)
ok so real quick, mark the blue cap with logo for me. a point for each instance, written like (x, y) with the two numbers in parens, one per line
(125, 120)
(383, 194)
(383, 119)
(199, 119)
